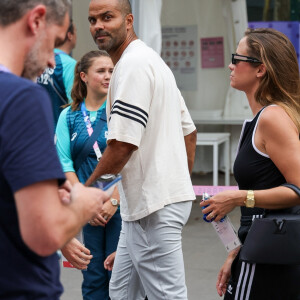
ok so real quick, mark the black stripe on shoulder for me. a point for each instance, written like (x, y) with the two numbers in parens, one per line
(129, 111)
(128, 117)
(131, 106)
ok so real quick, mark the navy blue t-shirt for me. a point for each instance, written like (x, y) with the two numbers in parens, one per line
(27, 156)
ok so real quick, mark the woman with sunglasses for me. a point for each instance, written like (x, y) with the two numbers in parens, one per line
(76, 124)
(265, 67)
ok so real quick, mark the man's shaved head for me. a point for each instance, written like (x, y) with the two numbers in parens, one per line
(125, 7)
(111, 25)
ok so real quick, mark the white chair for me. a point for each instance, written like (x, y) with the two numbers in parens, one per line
(215, 139)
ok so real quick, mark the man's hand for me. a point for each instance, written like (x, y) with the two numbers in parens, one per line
(64, 192)
(114, 158)
(77, 254)
(109, 262)
(93, 198)
(40, 203)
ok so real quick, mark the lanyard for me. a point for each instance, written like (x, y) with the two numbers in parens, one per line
(4, 69)
(89, 128)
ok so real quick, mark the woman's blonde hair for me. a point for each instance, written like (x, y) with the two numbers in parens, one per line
(79, 90)
(281, 83)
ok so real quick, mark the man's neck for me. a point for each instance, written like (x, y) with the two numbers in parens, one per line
(65, 48)
(13, 54)
(116, 54)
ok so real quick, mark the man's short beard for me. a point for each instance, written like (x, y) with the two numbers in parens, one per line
(103, 46)
(29, 73)
(31, 64)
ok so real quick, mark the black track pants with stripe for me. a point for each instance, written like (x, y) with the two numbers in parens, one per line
(263, 282)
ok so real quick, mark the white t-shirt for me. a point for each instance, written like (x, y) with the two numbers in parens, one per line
(146, 109)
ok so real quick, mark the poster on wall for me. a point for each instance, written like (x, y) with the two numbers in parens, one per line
(212, 52)
(180, 54)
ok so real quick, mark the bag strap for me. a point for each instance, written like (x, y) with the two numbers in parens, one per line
(295, 188)
(90, 142)
(59, 90)
(56, 90)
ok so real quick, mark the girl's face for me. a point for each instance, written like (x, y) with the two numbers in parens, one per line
(243, 74)
(98, 75)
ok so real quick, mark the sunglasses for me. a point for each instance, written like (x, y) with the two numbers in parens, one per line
(236, 58)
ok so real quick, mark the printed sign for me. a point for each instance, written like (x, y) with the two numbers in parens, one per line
(212, 52)
(180, 53)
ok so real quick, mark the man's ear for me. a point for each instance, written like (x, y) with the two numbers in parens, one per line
(261, 71)
(129, 21)
(70, 36)
(36, 18)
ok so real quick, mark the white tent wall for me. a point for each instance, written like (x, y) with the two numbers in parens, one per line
(236, 103)
(235, 13)
(214, 18)
(85, 43)
(207, 16)
(147, 22)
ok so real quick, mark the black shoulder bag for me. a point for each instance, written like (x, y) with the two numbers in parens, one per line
(275, 238)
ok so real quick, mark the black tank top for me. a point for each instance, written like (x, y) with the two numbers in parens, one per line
(254, 170)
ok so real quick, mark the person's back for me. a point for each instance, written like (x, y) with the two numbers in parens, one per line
(39, 212)
(59, 81)
(23, 112)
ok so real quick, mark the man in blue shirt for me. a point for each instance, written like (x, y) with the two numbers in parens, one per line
(36, 217)
(59, 81)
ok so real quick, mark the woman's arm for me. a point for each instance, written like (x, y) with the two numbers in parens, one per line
(280, 141)
(72, 177)
(63, 144)
(225, 272)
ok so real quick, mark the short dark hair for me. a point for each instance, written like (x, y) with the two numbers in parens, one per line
(71, 27)
(12, 11)
(70, 30)
(125, 7)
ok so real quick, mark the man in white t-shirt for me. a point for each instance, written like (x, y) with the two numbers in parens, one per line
(151, 141)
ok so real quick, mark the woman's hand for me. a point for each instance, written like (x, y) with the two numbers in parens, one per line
(106, 213)
(98, 220)
(108, 210)
(109, 262)
(222, 203)
(225, 273)
(77, 254)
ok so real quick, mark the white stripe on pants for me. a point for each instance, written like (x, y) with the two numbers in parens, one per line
(245, 281)
(149, 257)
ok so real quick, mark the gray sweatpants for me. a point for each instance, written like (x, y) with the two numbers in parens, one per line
(149, 258)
